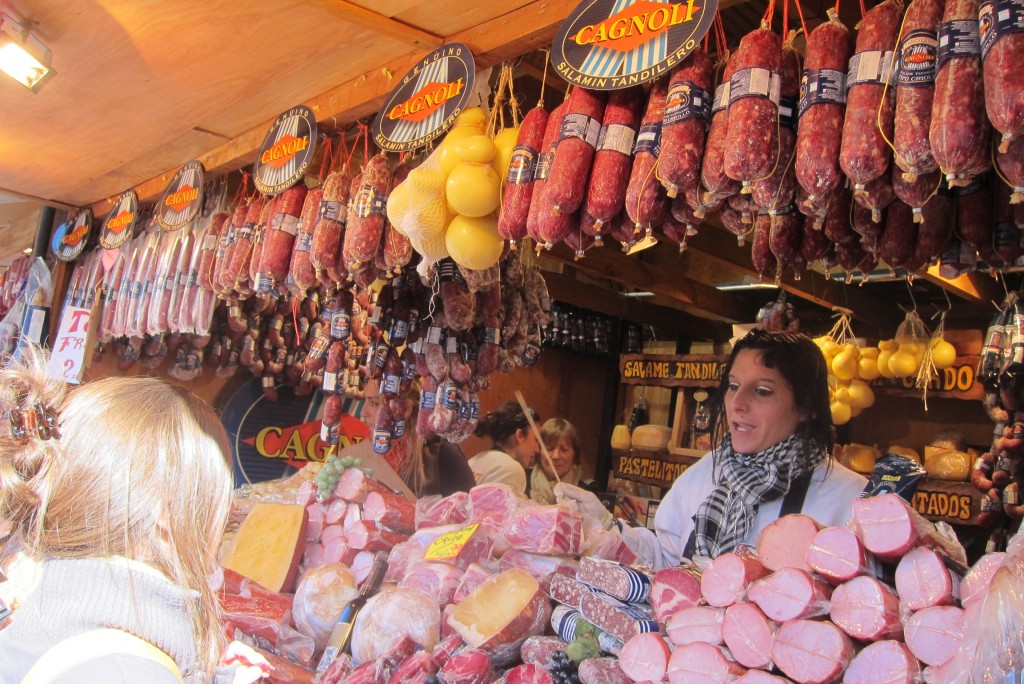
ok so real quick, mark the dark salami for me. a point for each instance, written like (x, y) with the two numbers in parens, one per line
(301, 272)
(876, 195)
(716, 183)
(687, 115)
(1011, 168)
(574, 149)
(814, 244)
(241, 248)
(539, 203)
(761, 254)
(837, 227)
(822, 105)
(646, 201)
(777, 191)
(396, 248)
(248, 284)
(851, 257)
(1002, 51)
(1006, 236)
(337, 272)
(754, 106)
(899, 235)
(733, 222)
(279, 238)
(959, 131)
(606, 193)
(519, 184)
(675, 230)
(865, 155)
(974, 215)
(330, 222)
(225, 248)
(784, 237)
(915, 88)
(916, 192)
(935, 230)
(366, 222)
(863, 223)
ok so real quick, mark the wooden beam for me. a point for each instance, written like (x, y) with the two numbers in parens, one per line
(649, 271)
(602, 300)
(975, 287)
(716, 244)
(492, 42)
(384, 25)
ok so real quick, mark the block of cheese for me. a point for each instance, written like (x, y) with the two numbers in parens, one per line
(651, 437)
(269, 544)
(947, 464)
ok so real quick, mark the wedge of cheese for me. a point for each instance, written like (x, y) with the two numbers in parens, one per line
(947, 464)
(269, 544)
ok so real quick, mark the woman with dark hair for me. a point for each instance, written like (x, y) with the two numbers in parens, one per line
(773, 427)
(514, 447)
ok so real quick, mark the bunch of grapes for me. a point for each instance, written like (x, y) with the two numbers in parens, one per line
(327, 479)
(563, 670)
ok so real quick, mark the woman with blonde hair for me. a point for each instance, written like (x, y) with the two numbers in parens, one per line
(562, 441)
(121, 488)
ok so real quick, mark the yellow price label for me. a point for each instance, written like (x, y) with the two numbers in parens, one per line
(448, 546)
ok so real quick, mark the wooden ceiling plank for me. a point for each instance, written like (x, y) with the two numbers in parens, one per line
(653, 277)
(975, 287)
(504, 37)
(719, 245)
(584, 295)
(384, 25)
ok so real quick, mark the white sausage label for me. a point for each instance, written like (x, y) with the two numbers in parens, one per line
(580, 126)
(618, 138)
(754, 82)
(869, 67)
(649, 139)
(721, 98)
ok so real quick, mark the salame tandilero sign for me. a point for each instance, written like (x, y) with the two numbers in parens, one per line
(671, 370)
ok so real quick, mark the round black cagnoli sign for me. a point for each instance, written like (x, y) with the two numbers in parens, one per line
(183, 197)
(286, 152)
(120, 221)
(424, 105)
(72, 236)
(615, 44)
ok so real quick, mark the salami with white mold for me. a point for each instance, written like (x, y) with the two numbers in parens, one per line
(865, 154)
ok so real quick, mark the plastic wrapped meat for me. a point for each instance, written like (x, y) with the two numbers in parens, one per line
(551, 530)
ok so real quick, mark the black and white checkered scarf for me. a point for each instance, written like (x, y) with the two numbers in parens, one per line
(742, 483)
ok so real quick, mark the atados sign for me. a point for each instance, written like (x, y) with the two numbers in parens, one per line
(614, 44)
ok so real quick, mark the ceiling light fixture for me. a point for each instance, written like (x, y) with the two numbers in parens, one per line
(23, 57)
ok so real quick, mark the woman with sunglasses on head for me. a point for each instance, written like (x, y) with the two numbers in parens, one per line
(121, 488)
(773, 429)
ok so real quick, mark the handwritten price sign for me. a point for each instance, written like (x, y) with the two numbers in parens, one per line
(448, 546)
(67, 361)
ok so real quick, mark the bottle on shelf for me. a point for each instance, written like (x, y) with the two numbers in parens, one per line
(341, 635)
(701, 423)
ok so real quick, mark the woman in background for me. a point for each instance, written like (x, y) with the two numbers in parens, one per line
(562, 441)
(122, 489)
(514, 447)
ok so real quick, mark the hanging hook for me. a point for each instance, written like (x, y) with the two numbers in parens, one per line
(949, 305)
(1001, 278)
(913, 301)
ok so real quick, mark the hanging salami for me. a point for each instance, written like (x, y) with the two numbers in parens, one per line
(687, 114)
(915, 88)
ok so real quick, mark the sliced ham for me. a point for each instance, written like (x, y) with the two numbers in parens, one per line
(883, 662)
(934, 634)
(812, 652)
(867, 610)
(696, 623)
(725, 580)
(838, 555)
(551, 530)
(790, 594)
(702, 663)
(645, 657)
(468, 666)
(784, 543)
(434, 511)
(748, 634)
(673, 589)
(440, 580)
